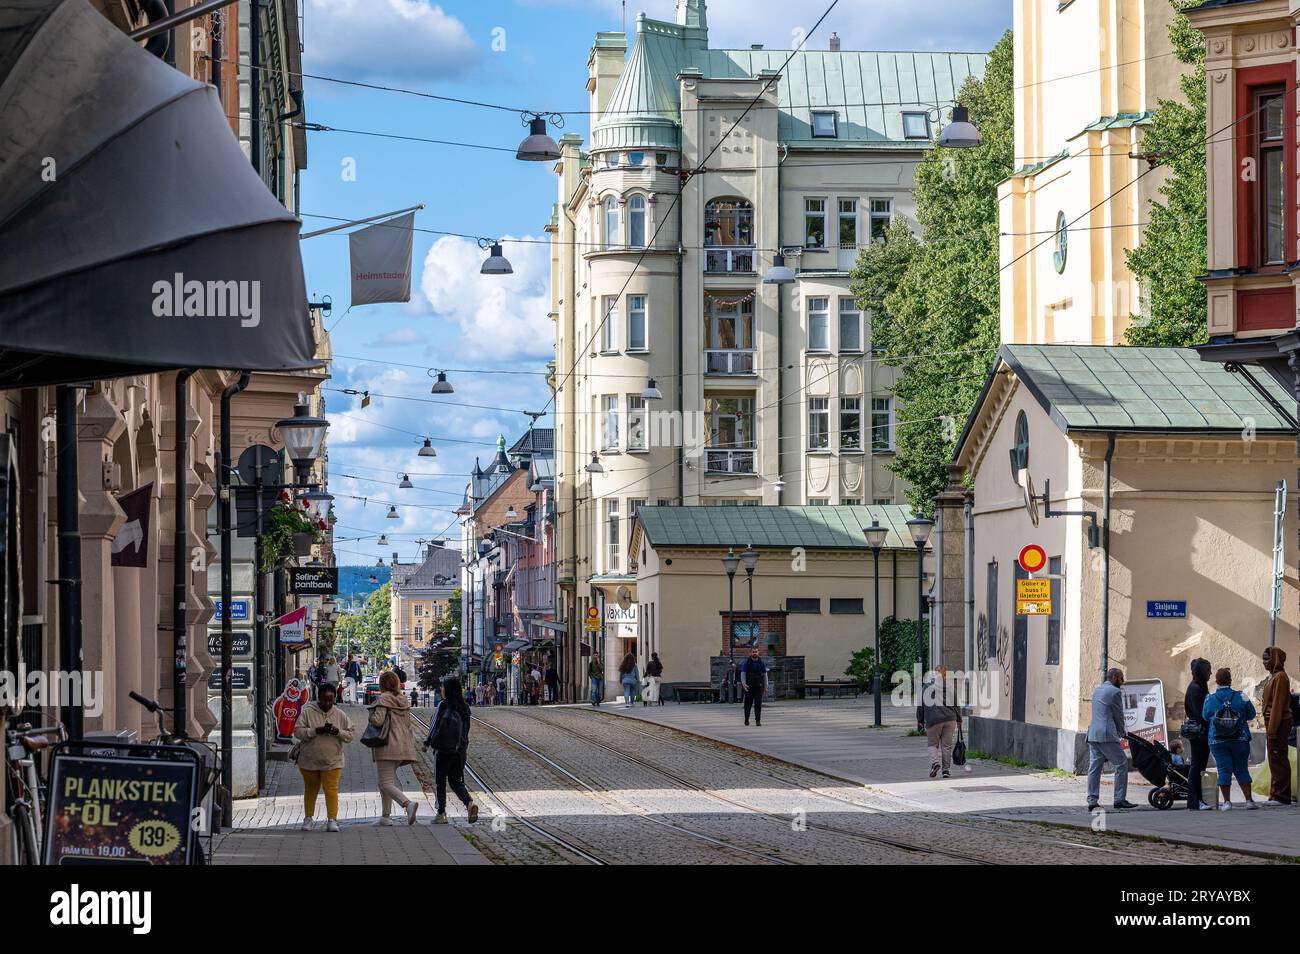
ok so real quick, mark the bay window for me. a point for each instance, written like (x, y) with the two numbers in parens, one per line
(636, 221)
(612, 236)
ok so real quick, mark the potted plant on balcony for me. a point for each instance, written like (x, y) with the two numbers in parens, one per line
(289, 530)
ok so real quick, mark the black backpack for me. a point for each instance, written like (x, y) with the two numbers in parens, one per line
(1227, 723)
(447, 732)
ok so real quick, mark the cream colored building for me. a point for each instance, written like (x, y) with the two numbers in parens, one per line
(812, 590)
(770, 395)
(1088, 74)
(420, 599)
(1194, 457)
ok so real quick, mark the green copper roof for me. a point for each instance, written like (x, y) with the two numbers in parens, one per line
(821, 528)
(1099, 388)
(869, 91)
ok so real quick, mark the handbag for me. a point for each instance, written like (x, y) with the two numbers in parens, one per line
(959, 749)
(376, 736)
(1193, 730)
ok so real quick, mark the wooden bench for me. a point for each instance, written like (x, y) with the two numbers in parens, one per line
(835, 685)
(696, 689)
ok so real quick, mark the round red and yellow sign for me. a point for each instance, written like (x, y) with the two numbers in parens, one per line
(1032, 558)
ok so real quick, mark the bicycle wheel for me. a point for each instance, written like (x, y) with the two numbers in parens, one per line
(29, 852)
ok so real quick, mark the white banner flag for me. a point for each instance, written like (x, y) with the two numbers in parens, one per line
(381, 261)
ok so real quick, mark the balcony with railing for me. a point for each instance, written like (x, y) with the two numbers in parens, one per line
(729, 361)
(729, 460)
(729, 261)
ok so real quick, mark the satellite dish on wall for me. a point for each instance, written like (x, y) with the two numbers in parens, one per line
(624, 597)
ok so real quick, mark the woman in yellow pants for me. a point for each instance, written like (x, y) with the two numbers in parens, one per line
(322, 731)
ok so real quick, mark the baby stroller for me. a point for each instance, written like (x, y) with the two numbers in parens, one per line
(1155, 764)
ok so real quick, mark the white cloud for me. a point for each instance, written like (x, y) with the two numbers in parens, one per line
(501, 317)
(367, 39)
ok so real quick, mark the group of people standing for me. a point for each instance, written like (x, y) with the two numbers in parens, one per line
(329, 671)
(1217, 725)
(324, 730)
(630, 678)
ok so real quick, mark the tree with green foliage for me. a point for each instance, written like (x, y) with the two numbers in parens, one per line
(444, 623)
(370, 628)
(1171, 256)
(934, 299)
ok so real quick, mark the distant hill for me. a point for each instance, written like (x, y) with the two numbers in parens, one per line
(355, 584)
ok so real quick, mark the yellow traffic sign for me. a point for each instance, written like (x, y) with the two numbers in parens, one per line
(1033, 597)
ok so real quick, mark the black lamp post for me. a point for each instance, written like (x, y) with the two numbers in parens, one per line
(920, 528)
(304, 438)
(730, 563)
(875, 535)
(749, 560)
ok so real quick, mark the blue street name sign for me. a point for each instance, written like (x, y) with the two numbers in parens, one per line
(238, 609)
(1166, 609)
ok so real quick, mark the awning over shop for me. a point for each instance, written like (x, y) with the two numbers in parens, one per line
(557, 627)
(134, 234)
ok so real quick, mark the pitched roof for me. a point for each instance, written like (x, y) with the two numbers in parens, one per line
(438, 562)
(644, 110)
(1129, 390)
(536, 440)
(820, 528)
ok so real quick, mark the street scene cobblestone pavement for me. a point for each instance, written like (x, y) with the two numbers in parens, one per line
(566, 784)
(268, 830)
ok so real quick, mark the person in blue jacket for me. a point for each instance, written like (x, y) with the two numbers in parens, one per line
(1228, 712)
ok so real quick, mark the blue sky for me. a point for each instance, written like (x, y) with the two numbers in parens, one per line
(522, 54)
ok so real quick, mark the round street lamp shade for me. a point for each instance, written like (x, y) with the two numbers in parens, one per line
(303, 435)
(318, 502)
(920, 529)
(443, 386)
(595, 466)
(406, 482)
(510, 513)
(779, 273)
(538, 146)
(730, 562)
(392, 513)
(427, 450)
(960, 133)
(875, 535)
(651, 393)
(383, 539)
(749, 559)
(496, 264)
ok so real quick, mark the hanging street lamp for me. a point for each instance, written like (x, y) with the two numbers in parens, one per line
(538, 146)
(304, 438)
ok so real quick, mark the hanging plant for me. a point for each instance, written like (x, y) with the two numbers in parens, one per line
(283, 523)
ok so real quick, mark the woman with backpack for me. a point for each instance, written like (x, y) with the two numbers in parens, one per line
(1196, 730)
(321, 733)
(449, 739)
(390, 720)
(1228, 712)
(630, 679)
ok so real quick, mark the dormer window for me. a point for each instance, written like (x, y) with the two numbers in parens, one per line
(825, 125)
(916, 126)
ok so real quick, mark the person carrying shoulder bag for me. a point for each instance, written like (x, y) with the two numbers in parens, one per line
(392, 745)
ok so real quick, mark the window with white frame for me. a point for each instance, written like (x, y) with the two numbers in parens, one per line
(731, 421)
(613, 544)
(636, 328)
(419, 632)
(417, 610)
(636, 422)
(611, 160)
(850, 325)
(814, 223)
(636, 221)
(819, 501)
(610, 438)
(612, 237)
(848, 223)
(882, 501)
(609, 330)
(825, 124)
(818, 325)
(882, 424)
(851, 501)
(882, 213)
(916, 126)
(819, 423)
(851, 423)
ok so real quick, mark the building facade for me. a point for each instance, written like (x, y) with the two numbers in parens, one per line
(1088, 74)
(421, 600)
(702, 165)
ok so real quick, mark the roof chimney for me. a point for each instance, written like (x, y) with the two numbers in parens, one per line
(835, 42)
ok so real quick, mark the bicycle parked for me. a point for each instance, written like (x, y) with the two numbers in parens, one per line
(23, 747)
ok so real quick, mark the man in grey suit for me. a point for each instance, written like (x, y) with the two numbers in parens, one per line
(1104, 735)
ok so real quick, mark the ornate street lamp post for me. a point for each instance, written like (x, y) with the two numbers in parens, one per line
(920, 528)
(875, 535)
